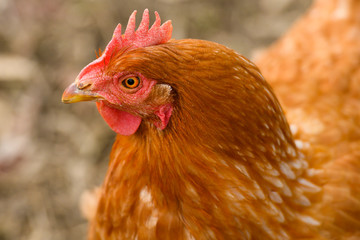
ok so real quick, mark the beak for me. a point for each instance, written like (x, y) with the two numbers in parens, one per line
(73, 94)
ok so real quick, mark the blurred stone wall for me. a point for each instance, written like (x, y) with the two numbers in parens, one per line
(51, 152)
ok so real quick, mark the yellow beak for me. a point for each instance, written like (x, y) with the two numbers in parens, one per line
(73, 94)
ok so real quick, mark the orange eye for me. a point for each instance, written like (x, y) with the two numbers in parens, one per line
(131, 82)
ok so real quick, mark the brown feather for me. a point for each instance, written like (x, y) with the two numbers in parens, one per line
(226, 166)
(318, 62)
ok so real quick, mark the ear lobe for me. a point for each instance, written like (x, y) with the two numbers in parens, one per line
(164, 114)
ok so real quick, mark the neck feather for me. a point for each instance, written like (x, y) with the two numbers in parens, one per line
(256, 178)
(227, 153)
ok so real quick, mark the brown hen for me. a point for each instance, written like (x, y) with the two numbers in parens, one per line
(204, 150)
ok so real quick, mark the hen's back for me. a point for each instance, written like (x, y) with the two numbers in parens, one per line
(315, 71)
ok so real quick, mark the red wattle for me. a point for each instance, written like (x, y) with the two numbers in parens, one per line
(121, 122)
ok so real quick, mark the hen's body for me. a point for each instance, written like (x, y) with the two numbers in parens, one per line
(226, 165)
(241, 178)
(318, 62)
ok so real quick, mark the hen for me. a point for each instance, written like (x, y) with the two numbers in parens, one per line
(203, 148)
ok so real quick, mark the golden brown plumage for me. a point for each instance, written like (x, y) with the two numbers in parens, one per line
(318, 62)
(194, 180)
(212, 157)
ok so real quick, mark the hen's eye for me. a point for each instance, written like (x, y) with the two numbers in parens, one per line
(131, 82)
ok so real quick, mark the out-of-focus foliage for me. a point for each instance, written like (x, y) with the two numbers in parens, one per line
(51, 152)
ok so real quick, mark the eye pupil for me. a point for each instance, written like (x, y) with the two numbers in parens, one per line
(130, 81)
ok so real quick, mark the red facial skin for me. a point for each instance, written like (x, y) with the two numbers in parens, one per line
(120, 106)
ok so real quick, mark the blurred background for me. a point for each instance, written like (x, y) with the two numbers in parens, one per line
(50, 153)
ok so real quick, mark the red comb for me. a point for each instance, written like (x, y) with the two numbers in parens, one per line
(142, 37)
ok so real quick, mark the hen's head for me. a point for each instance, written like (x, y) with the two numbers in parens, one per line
(125, 96)
(202, 87)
